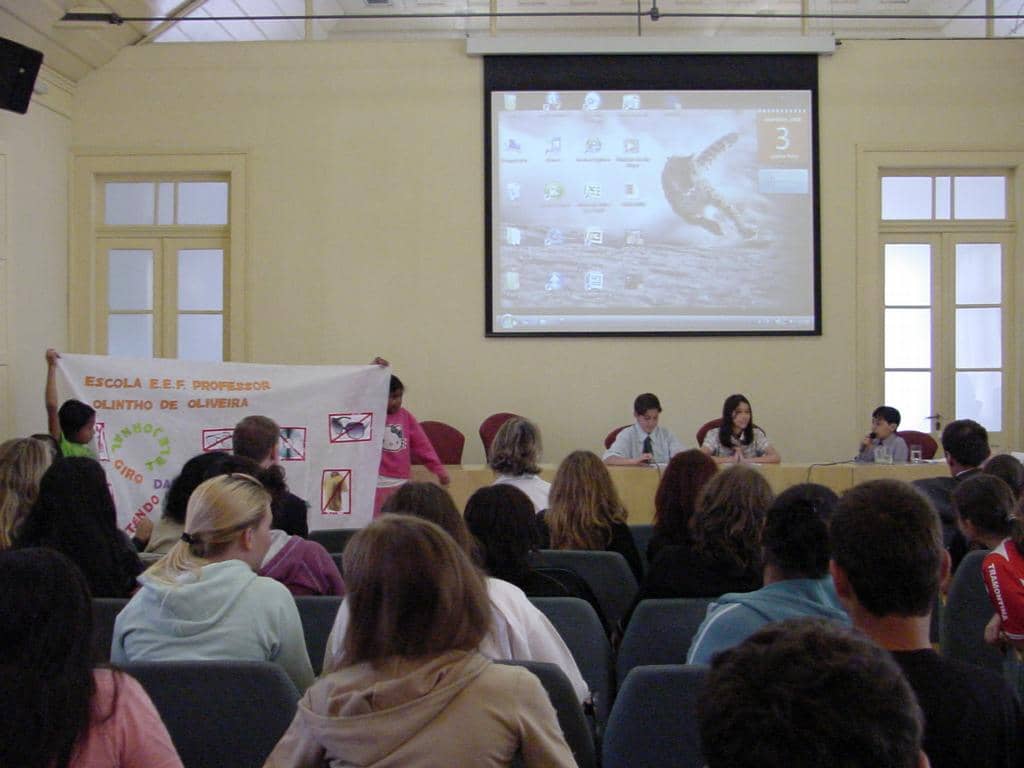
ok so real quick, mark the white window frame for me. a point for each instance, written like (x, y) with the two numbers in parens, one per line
(872, 164)
(86, 303)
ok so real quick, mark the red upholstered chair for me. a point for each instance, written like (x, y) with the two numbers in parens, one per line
(928, 445)
(613, 434)
(703, 431)
(446, 439)
(489, 428)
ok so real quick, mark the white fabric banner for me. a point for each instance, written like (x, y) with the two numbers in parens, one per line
(153, 415)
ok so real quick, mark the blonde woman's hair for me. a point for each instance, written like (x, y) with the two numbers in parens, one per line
(218, 512)
(516, 448)
(583, 504)
(22, 464)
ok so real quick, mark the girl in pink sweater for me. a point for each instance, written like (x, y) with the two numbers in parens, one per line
(404, 441)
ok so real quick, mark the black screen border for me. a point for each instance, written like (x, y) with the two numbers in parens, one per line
(649, 72)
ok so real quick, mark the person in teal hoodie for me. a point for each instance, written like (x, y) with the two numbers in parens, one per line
(796, 578)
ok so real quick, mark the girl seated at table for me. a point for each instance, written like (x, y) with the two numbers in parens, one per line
(739, 439)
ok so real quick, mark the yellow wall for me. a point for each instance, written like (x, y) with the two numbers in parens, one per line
(33, 250)
(365, 168)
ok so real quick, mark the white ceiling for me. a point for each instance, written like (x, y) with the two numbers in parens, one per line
(74, 50)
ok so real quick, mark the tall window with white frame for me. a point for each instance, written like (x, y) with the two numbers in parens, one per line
(162, 261)
(946, 242)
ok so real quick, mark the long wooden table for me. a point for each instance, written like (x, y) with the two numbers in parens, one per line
(637, 485)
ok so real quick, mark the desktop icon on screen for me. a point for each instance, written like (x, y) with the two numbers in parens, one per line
(554, 146)
(593, 145)
(631, 101)
(592, 191)
(593, 280)
(553, 190)
(552, 102)
(513, 235)
(514, 190)
(554, 236)
(631, 146)
(554, 282)
(510, 101)
(594, 236)
(592, 101)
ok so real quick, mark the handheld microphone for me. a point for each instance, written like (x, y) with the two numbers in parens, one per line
(872, 435)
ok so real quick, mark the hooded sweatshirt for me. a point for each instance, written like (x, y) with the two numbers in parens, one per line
(224, 612)
(518, 631)
(734, 617)
(453, 709)
(302, 565)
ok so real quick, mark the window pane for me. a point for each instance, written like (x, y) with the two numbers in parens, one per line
(979, 396)
(911, 394)
(908, 338)
(979, 338)
(165, 203)
(980, 197)
(128, 202)
(906, 197)
(129, 279)
(979, 273)
(908, 274)
(130, 335)
(942, 197)
(201, 337)
(203, 202)
(201, 279)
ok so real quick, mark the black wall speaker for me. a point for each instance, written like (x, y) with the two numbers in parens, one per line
(18, 69)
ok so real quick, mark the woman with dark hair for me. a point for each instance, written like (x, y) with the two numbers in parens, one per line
(75, 515)
(739, 439)
(411, 687)
(502, 520)
(518, 630)
(57, 711)
(676, 499)
(725, 553)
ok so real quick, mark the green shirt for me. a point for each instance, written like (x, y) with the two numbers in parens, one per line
(67, 448)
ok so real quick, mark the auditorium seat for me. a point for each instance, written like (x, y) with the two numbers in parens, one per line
(703, 431)
(448, 442)
(654, 721)
(642, 535)
(581, 630)
(489, 428)
(610, 438)
(571, 718)
(928, 445)
(334, 540)
(317, 614)
(967, 611)
(607, 573)
(220, 713)
(660, 632)
(104, 613)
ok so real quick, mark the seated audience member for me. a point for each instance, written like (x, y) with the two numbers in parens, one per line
(676, 499)
(888, 562)
(584, 511)
(725, 553)
(59, 711)
(797, 583)
(404, 442)
(257, 438)
(22, 464)
(515, 451)
(739, 440)
(983, 506)
(885, 420)
(168, 529)
(74, 423)
(203, 599)
(644, 442)
(411, 688)
(302, 565)
(518, 630)
(502, 520)
(1008, 469)
(805, 693)
(75, 515)
(965, 443)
